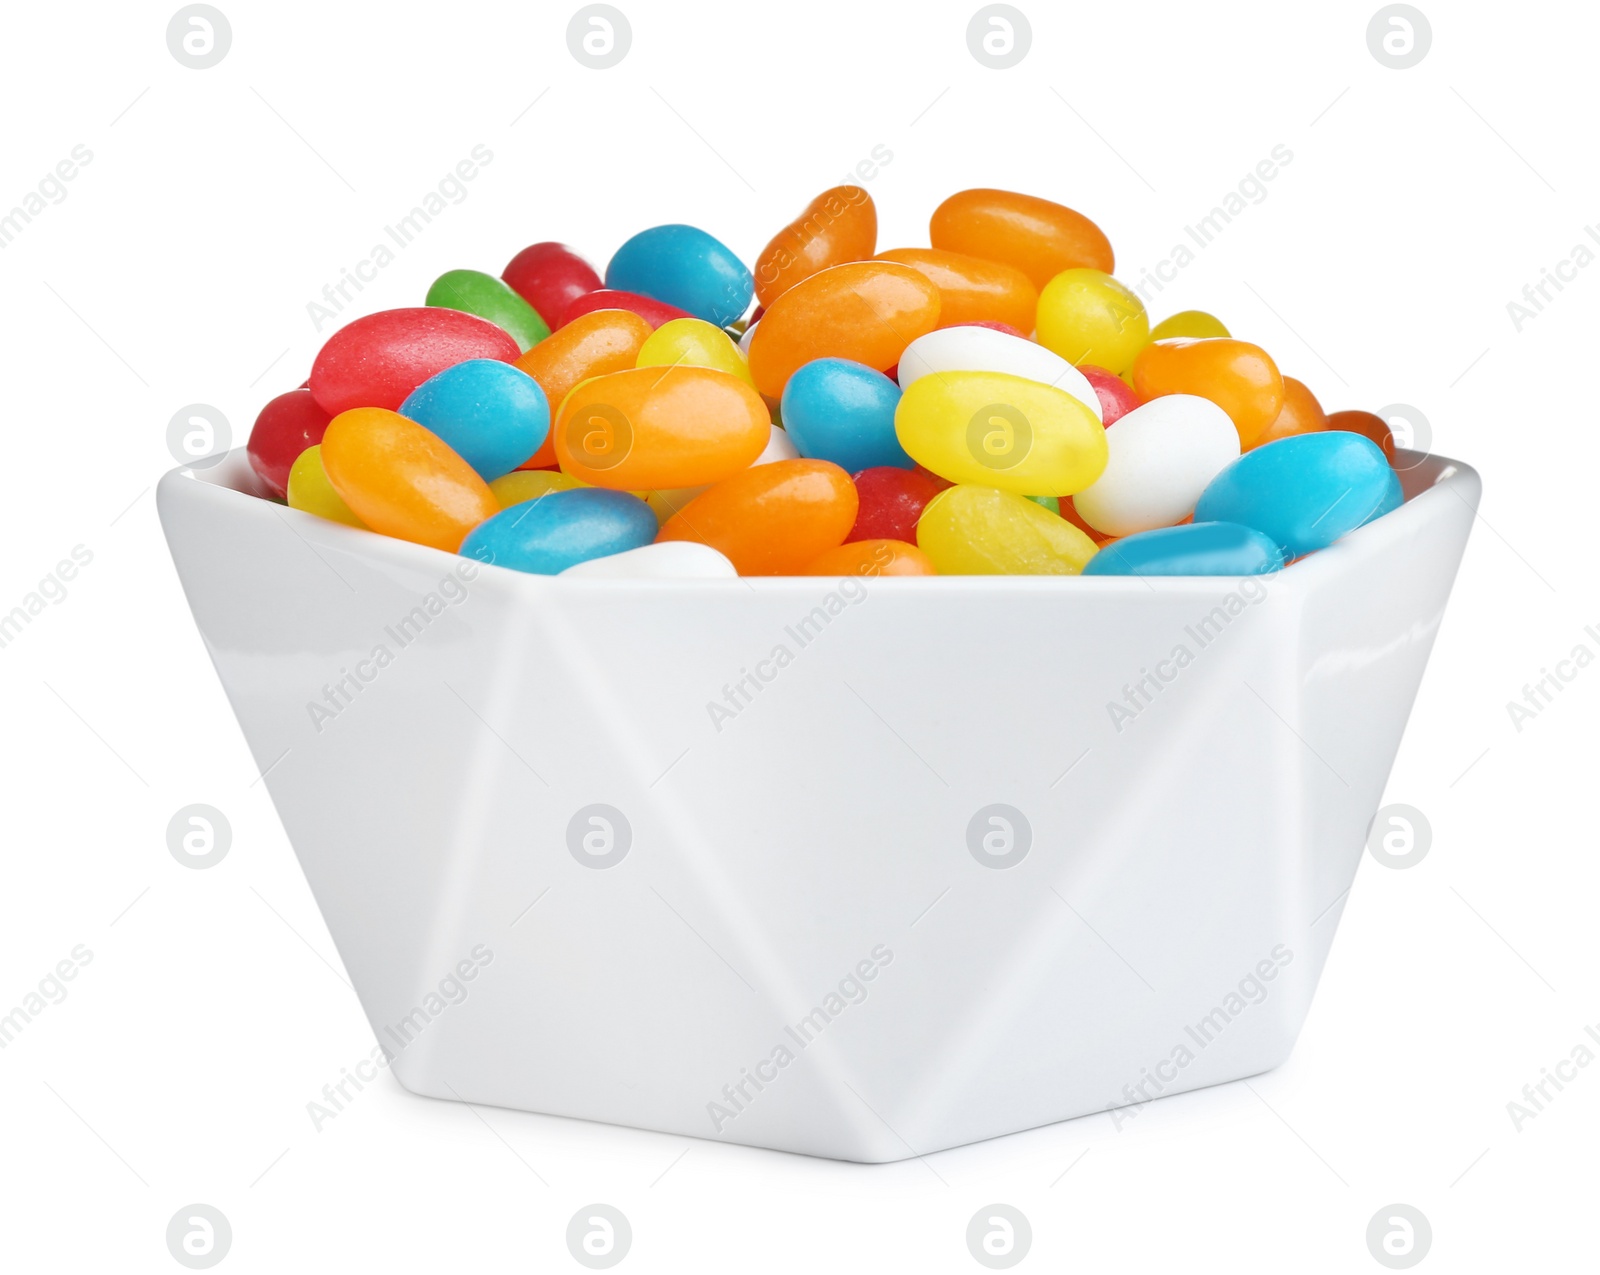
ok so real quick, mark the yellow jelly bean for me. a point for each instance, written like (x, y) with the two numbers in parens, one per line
(310, 490)
(1086, 316)
(529, 484)
(1189, 323)
(999, 430)
(980, 531)
(697, 343)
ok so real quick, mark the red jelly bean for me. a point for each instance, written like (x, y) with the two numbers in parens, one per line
(891, 502)
(286, 426)
(378, 360)
(1116, 396)
(996, 325)
(653, 312)
(550, 277)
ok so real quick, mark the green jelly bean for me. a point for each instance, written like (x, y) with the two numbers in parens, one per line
(1049, 502)
(489, 298)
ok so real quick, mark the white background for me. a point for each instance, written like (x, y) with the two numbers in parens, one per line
(1378, 269)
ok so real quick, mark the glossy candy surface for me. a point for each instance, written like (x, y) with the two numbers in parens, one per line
(981, 531)
(377, 360)
(891, 501)
(834, 409)
(561, 529)
(653, 312)
(773, 519)
(1304, 492)
(685, 267)
(402, 480)
(1238, 377)
(592, 345)
(310, 491)
(1300, 414)
(1195, 549)
(839, 225)
(674, 560)
(996, 430)
(696, 343)
(1162, 455)
(1086, 316)
(550, 277)
(971, 348)
(973, 289)
(667, 501)
(1190, 323)
(1116, 396)
(489, 298)
(872, 558)
(660, 427)
(1369, 425)
(529, 484)
(1038, 237)
(866, 311)
(492, 414)
(285, 427)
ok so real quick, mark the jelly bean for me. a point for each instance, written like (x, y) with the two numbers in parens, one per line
(310, 491)
(866, 311)
(1001, 431)
(284, 429)
(1116, 396)
(591, 345)
(872, 558)
(1086, 316)
(493, 415)
(1369, 425)
(1300, 414)
(891, 501)
(377, 360)
(971, 348)
(696, 343)
(973, 289)
(1038, 237)
(1238, 377)
(839, 225)
(1198, 549)
(402, 480)
(1000, 327)
(668, 502)
(489, 298)
(844, 412)
(771, 520)
(1052, 503)
(550, 277)
(653, 312)
(657, 427)
(1190, 323)
(1162, 455)
(675, 560)
(1305, 491)
(559, 530)
(685, 267)
(522, 485)
(1067, 507)
(980, 531)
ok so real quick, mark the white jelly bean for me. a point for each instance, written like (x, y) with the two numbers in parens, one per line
(1161, 456)
(670, 560)
(971, 349)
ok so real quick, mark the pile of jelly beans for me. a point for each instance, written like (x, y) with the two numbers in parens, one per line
(996, 403)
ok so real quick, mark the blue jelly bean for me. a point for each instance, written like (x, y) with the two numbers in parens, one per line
(1305, 491)
(842, 411)
(1194, 549)
(685, 267)
(493, 415)
(561, 529)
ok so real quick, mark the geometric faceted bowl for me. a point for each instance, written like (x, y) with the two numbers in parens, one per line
(857, 868)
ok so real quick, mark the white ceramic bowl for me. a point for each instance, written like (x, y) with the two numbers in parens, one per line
(817, 937)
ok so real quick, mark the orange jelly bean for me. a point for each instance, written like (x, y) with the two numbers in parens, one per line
(1368, 425)
(660, 427)
(839, 225)
(774, 520)
(1300, 414)
(403, 480)
(872, 558)
(1238, 377)
(973, 289)
(591, 345)
(868, 311)
(1038, 237)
